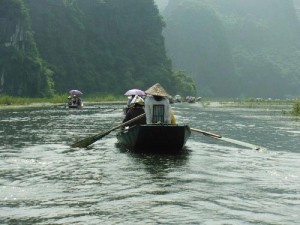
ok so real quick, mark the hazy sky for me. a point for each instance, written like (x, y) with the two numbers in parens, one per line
(161, 3)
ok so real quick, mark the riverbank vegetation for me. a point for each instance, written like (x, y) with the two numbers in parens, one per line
(296, 109)
(246, 103)
(257, 102)
(57, 99)
(79, 44)
(289, 107)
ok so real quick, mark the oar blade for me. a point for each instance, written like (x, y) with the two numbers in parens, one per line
(89, 140)
(229, 140)
(241, 143)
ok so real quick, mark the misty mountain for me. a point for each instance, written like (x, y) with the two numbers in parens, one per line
(231, 48)
(236, 48)
(161, 4)
(22, 70)
(99, 47)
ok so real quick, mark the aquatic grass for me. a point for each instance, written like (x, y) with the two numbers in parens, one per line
(259, 103)
(105, 98)
(296, 109)
(9, 100)
(12, 100)
(57, 99)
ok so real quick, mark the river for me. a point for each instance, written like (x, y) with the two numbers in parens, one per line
(44, 181)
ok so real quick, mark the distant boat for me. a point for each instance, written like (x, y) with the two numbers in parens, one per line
(158, 138)
(177, 98)
(75, 102)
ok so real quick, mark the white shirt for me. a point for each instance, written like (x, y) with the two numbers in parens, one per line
(150, 101)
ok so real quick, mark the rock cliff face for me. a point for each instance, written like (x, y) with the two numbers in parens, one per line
(102, 47)
(22, 71)
(11, 38)
(14, 25)
(17, 39)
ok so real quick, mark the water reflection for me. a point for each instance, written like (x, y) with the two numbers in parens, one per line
(158, 165)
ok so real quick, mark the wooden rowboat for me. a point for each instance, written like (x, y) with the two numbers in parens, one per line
(75, 106)
(160, 138)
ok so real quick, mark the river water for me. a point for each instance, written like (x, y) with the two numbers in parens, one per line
(44, 181)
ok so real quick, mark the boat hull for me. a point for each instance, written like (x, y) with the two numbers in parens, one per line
(75, 106)
(155, 138)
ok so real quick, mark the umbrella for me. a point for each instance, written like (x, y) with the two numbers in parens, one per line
(135, 92)
(75, 92)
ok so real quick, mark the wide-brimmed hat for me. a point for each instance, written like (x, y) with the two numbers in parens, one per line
(157, 90)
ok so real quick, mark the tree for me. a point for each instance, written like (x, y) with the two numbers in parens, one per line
(184, 84)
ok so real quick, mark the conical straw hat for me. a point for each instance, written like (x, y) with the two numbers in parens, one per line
(157, 90)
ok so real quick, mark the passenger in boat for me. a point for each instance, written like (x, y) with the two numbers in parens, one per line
(173, 119)
(128, 105)
(69, 100)
(157, 106)
(136, 108)
(76, 100)
(130, 98)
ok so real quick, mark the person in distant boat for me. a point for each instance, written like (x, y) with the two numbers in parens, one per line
(136, 108)
(157, 106)
(69, 100)
(76, 100)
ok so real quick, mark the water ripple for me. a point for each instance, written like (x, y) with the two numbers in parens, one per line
(44, 181)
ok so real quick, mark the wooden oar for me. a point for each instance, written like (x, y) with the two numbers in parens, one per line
(217, 136)
(90, 140)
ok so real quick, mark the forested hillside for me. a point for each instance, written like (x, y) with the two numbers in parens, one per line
(97, 46)
(22, 71)
(236, 48)
(161, 4)
(231, 48)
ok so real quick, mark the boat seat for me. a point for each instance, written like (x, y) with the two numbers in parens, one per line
(158, 114)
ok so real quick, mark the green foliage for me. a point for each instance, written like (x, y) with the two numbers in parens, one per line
(13, 100)
(101, 46)
(296, 109)
(96, 46)
(184, 84)
(230, 48)
(22, 71)
(55, 99)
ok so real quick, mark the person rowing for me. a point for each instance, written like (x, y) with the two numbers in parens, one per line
(136, 108)
(157, 106)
